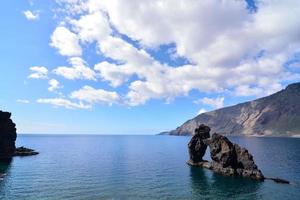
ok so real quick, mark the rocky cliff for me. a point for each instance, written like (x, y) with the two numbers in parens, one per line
(8, 136)
(277, 114)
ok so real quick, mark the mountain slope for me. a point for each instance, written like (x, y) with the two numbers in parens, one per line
(277, 114)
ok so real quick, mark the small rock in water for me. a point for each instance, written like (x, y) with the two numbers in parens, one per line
(22, 151)
(279, 180)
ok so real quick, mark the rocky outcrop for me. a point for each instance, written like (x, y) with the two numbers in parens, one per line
(8, 136)
(22, 151)
(222, 151)
(231, 159)
(227, 158)
(197, 147)
(277, 114)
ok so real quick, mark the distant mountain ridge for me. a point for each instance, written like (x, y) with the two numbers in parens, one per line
(277, 114)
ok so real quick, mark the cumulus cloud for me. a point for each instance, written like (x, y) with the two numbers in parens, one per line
(246, 90)
(30, 15)
(38, 72)
(215, 103)
(79, 70)
(92, 27)
(228, 47)
(91, 95)
(66, 42)
(24, 101)
(115, 74)
(60, 102)
(53, 85)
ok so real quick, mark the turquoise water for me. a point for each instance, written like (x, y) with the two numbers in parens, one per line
(142, 167)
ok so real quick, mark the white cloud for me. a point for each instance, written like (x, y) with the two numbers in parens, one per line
(38, 72)
(92, 27)
(229, 47)
(66, 42)
(25, 101)
(210, 27)
(202, 110)
(231, 27)
(79, 70)
(246, 90)
(118, 49)
(214, 102)
(91, 95)
(60, 102)
(53, 85)
(71, 7)
(161, 22)
(115, 74)
(31, 15)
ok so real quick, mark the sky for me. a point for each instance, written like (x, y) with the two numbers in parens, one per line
(139, 66)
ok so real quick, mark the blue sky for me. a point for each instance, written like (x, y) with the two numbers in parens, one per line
(140, 67)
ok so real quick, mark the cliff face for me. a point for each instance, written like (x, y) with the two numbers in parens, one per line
(277, 114)
(8, 136)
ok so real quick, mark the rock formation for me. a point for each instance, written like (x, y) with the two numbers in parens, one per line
(197, 147)
(8, 136)
(22, 151)
(227, 158)
(277, 114)
(231, 159)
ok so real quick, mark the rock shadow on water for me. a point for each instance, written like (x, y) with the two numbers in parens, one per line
(206, 184)
(200, 185)
(4, 169)
(235, 187)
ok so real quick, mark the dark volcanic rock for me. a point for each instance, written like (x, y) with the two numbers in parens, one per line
(245, 165)
(244, 159)
(222, 150)
(22, 151)
(197, 146)
(8, 136)
(231, 159)
(227, 158)
(279, 180)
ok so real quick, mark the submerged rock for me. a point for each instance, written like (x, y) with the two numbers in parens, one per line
(279, 180)
(227, 158)
(22, 151)
(8, 136)
(197, 145)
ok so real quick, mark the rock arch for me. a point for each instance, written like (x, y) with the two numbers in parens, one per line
(227, 158)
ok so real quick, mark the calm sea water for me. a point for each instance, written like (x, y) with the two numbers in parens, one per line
(142, 167)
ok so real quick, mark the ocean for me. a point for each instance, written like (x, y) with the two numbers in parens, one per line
(142, 167)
